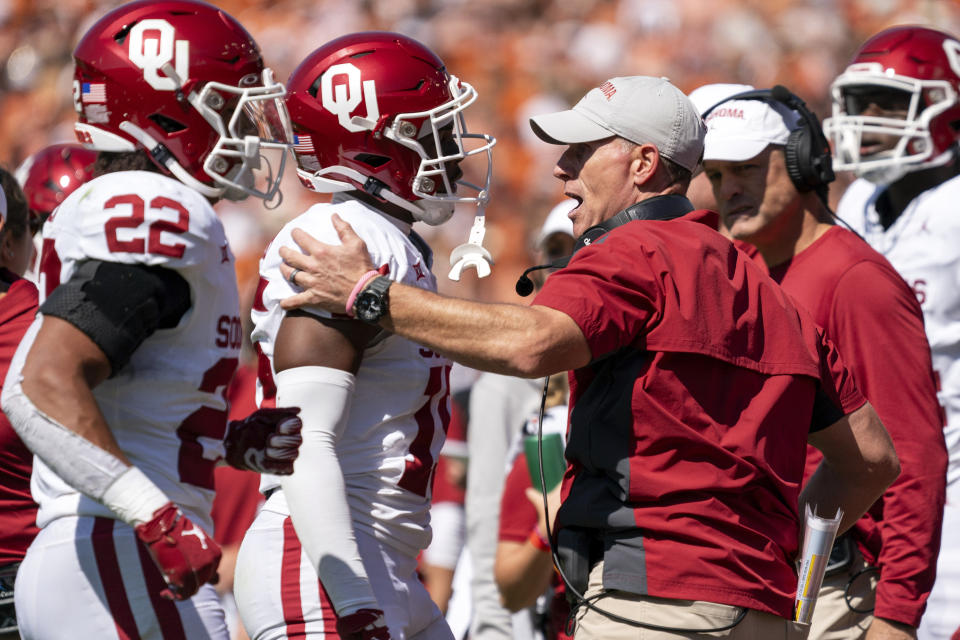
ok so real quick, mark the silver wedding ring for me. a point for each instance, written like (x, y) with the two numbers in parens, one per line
(292, 278)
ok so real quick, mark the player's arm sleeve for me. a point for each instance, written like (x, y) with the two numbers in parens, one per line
(118, 306)
(65, 428)
(878, 326)
(316, 492)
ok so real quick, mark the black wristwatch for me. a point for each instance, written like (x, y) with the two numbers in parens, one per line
(373, 302)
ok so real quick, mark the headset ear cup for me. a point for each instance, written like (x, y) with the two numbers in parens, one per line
(797, 155)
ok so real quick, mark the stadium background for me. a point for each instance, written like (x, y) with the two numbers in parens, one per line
(523, 56)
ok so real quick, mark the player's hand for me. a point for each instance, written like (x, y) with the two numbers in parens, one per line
(363, 624)
(186, 556)
(266, 441)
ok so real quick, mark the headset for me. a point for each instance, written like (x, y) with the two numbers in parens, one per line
(807, 152)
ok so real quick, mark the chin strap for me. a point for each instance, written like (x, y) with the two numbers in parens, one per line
(472, 253)
(322, 184)
(166, 159)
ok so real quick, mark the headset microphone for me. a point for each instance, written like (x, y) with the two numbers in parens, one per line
(524, 284)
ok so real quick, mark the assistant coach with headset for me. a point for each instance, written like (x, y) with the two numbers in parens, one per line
(695, 383)
(769, 165)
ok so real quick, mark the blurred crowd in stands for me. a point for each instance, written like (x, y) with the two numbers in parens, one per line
(523, 56)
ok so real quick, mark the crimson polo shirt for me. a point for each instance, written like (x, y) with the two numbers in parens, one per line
(875, 321)
(688, 429)
(18, 306)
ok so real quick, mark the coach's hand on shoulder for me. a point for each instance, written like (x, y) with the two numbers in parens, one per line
(266, 441)
(363, 624)
(186, 555)
(327, 273)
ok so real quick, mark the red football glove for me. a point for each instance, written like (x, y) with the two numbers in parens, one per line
(266, 441)
(186, 555)
(363, 624)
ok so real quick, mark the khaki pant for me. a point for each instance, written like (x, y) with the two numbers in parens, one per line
(832, 618)
(681, 614)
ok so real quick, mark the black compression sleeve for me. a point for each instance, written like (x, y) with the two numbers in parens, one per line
(825, 412)
(118, 306)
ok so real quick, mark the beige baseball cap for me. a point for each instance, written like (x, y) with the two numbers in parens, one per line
(641, 109)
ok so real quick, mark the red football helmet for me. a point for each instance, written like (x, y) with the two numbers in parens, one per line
(377, 111)
(53, 173)
(915, 67)
(186, 82)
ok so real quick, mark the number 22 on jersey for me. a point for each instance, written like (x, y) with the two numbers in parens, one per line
(123, 233)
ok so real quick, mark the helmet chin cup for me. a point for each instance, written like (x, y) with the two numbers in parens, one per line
(471, 254)
(433, 212)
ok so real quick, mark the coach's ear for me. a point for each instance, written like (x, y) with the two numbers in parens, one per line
(644, 164)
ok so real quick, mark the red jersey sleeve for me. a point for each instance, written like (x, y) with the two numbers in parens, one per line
(517, 516)
(609, 290)
(18, 306)
(878, 322)
(836, 380)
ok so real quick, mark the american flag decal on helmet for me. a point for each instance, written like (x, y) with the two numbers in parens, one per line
(303, 145)
(93, 92)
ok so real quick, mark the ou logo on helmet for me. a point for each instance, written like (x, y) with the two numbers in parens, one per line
(342, 99)
(952, 49)
(152, 53)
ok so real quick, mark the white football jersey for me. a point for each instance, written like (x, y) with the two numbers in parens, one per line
(400, 408)
(166, 407)
(923, 245)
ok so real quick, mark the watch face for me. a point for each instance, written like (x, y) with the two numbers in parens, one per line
(369, 307)
(371, 304)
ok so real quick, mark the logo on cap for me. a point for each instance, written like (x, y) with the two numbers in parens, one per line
(726, 112)
(607, 89)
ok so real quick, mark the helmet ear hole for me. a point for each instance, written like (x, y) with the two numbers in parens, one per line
(166, 123)
(371, 159)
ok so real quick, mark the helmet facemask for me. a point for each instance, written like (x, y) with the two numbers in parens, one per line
(258, 122)
(436, 202)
